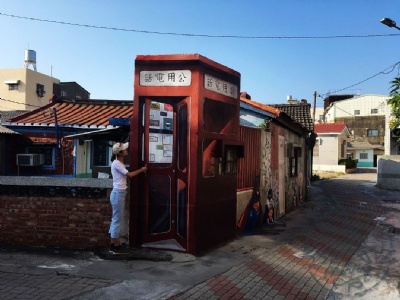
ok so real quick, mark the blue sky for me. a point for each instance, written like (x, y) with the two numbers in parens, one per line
(102, 61)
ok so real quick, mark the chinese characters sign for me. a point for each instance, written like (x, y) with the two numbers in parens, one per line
(220, 86)
(166, 78)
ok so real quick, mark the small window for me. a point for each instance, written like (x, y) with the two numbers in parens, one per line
(293, 166)
(363, 155)
(357, 112)
(230, 165)
(373, 133)
(40, 90)
(13, 87)
(374, 111)
(63, 94)
(293, 161)
(322, 118)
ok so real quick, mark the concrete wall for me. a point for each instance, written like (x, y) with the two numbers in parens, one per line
(26, 92)
(364, 104)
(389, 172)
(330, 168)
(327, 148)
(242, 198)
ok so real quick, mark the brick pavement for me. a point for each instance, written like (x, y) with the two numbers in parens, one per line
(17, 286)
(310, 265)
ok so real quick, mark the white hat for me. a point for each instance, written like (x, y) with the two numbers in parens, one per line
(118, 147)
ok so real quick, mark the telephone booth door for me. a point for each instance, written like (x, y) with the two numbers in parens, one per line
(166, 182)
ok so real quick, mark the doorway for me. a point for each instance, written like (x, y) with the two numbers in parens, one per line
(165, 151)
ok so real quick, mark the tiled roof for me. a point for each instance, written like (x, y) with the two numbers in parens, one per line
(7, 114)
(267, 108)
(298, 112)
(75, 113)
(329, 127)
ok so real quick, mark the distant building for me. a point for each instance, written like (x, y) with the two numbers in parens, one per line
(367, 120)
(70, 90)
(330, 146)
(27, 89)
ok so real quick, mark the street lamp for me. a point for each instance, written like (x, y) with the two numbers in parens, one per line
(390, 23)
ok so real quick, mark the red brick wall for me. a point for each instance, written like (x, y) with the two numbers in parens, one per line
(55, 222)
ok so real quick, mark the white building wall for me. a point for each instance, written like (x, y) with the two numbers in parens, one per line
(365, 103)
(328, 150)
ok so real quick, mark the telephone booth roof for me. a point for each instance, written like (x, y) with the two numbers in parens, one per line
(171, 58)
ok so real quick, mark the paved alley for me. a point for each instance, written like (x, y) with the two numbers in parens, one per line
(342, 244)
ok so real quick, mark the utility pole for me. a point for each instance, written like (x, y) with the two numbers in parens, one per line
(315, 103)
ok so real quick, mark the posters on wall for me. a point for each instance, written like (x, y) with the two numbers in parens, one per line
(161, 133)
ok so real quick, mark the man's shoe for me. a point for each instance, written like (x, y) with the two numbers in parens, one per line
(118, 250)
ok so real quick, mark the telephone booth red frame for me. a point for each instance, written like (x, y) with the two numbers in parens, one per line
(185, 128)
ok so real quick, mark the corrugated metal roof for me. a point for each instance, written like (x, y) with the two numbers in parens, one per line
(75, 113)
(363, 146)
(329, 127)
(5, 130)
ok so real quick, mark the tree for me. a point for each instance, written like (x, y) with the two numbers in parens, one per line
(395, 102)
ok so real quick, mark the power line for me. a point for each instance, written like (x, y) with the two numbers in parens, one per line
(392, 67)
(20, 103)
(199, 35)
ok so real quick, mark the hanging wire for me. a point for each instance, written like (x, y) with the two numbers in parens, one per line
(19, 102)
(198, 35)
(391, 69)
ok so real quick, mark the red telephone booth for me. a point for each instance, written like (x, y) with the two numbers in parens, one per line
(185, 128)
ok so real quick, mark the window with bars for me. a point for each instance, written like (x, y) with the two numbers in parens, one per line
(13, 87)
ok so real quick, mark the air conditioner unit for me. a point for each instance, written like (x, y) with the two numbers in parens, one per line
(30, 159)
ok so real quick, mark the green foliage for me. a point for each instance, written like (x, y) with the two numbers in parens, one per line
(350, 163)
(265, 124)
(394, 102)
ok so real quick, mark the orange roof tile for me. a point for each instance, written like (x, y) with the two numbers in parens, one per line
(263, 107)
(76, 113)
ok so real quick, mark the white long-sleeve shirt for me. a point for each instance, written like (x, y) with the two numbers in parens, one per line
(119, 172)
